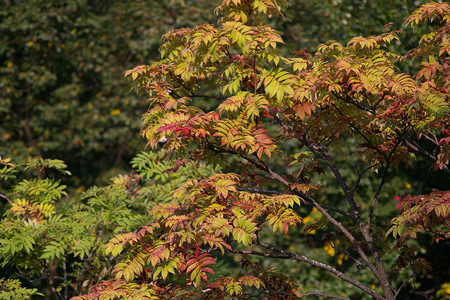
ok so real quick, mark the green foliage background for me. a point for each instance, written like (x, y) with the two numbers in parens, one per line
(62, 92)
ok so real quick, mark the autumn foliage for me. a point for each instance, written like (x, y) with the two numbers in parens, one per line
(277, 128)
(266, 100)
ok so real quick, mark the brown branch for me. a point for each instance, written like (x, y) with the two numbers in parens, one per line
(335, 223)
(364, 136)
(413, 145)
(323, 154)
(260, 191)
(350, 237)
(207, 96)
(403, 284)
(3, 196)
(377, 193)
(434, 141)
(324, 295)
(360, 175)
(20, 274)
(281, 123)
(379, 271)
(258, 253)
(423, 294)
(319, 207)
(320, 265)
(66, 287)
(52, 285)
(308, 198)
(192, 95)
(358, 105)
(270, 292)
(383, 179)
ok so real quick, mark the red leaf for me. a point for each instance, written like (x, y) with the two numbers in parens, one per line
(196, 251)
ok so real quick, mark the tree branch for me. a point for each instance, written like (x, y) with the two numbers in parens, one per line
(66, 288)
(307, 198)
(20, 274)
(331, 219)
(206, 96)
(260, 191)
(323, 154)
(360, 175)
(293, 256)
(434, 141)
(3, 196)
(379, 271)
(377, 193)
(350, 237)
(403, 284)
(358, 105)
(192, 95)
(258, 253)
(324, 295)
(415, 147)
(421, 294)
(360, 133)
(52, 285)
(270, 292)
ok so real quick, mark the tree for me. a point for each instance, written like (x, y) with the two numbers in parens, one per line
(56, 244)
(268, 104)
(62, 91)
(277, 133)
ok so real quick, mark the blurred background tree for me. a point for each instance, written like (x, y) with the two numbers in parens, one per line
(62, 94)
(62, 91)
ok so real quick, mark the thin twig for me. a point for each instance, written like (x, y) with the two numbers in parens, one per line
(348, 100)
(270, 292)
(66, 288)
(377, 193)
(421, 294)
(52, 285)
(434, 141)
(315, 263)
(207, 96)
(20, 274)
(324, 295)
(260, 191)
(360, 175)
(403, 284)
(415, 147)
(307, 200)
(3, 196)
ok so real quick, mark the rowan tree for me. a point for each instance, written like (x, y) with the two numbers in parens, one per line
(276, 137)
(53, 243)
(268, 103)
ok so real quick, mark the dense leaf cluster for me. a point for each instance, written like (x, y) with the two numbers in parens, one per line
(343, 90)
(303, 154)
